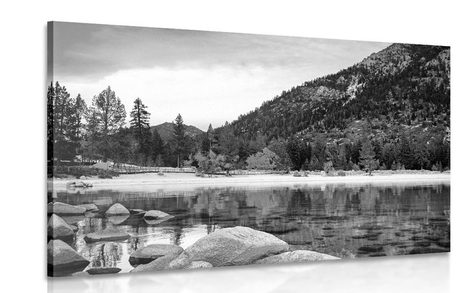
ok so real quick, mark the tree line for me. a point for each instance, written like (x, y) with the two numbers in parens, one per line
(88, 133)
(98, 132)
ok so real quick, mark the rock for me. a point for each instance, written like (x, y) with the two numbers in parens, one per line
(74, 227)
(58, 228)
(79, 184)
(63, 260)
(106, 235)
(296, 256)
(73, 219)
(155, 215)
(156, 222)
(199, 265)
(231, 246)
(117, 220)
(136, 211)
(279, 228)
(117, 209)
(152, 252)
(103, 270)
(160, 264)
(90, 207)
(60, 208)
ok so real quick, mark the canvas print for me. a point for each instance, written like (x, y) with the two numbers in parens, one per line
(179, 149)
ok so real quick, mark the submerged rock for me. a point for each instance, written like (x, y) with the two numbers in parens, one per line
(106, 235)
(58, 228)
(90, 207)
(152, 252)
(231, 246)
(103, 270)
(63, 260)
(60, 208)
(160, 264)
(137, 211)
(296, 256)
(155, 215)
(117, 209)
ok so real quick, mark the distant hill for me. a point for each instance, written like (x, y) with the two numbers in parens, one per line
(166, 131)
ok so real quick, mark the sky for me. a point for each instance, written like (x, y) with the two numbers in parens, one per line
(207, 77)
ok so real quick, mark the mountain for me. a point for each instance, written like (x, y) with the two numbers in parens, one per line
(401, 85)
(398, 98)
(166, 131)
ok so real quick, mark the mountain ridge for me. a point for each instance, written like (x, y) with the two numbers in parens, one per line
(166, 131)
(318, 97)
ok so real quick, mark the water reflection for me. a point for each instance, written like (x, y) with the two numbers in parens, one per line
(346, 221)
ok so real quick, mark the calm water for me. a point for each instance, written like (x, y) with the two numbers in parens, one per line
(356, 221)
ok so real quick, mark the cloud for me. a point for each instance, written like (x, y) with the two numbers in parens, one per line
(208, 77)
(202, 96)
(86, 51)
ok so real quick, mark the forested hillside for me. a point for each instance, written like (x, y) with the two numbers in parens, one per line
(398, 99)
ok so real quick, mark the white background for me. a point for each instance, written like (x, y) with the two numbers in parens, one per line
(22, 106)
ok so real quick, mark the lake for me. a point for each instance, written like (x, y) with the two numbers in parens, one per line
(347, 221)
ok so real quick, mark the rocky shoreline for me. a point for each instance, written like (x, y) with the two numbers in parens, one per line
(224, 247)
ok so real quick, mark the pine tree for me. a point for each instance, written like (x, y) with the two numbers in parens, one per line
(139, 124)
(62, 110)
(139, 119)
(180, 138)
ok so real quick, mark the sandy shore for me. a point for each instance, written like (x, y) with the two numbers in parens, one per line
(177, 181)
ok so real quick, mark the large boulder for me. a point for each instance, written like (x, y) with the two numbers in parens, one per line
(199, 265)
(58, 228)
(230, 247)
(296, 256)
(117, 209)
(63, 260)
(106, 235)
(60, 208)
(160, 264)
(73, 220)
(103, 270)
(152, 252)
